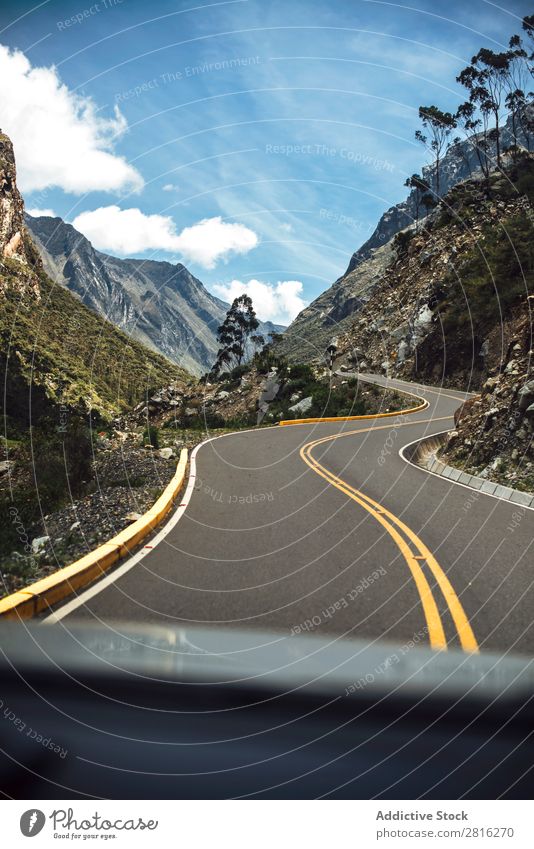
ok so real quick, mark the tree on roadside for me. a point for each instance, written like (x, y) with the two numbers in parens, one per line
(237, 329)
(439, 125)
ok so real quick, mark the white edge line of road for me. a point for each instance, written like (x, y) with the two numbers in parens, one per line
(456, 483)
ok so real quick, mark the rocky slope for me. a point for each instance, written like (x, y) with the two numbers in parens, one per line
(454, 308)
(326, 317)
(159, 304)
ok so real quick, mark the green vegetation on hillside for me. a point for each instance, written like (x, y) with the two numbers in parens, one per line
(69, 355)
(66, 372)
(331, 395)
(493, 277)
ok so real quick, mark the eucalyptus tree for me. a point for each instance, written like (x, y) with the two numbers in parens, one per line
(237, 329)
(439, 126)
(420, 188)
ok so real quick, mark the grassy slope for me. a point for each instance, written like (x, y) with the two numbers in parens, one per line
(68, 354)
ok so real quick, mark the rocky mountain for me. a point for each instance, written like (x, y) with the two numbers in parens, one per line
(157, 303)
(454, 308)
(56, 354)
(326, 317)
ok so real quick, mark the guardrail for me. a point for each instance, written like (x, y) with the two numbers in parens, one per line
(28, 602)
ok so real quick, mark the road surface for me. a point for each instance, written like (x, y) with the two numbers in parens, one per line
(325, 528)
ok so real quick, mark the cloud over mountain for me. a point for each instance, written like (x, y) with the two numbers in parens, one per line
(131, 231)
(277, 302)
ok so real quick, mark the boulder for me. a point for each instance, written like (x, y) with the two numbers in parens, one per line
(525, 396)
(490, 385)
(302, 406)
(423, 319)
(132, 517)
(39, 543)
(400, 332)
(402, 350)
(484, 350)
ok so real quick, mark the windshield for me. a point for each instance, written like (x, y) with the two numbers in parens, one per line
(266, 472)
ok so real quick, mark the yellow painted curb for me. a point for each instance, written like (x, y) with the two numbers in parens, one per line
(422, 406)
(42, 594)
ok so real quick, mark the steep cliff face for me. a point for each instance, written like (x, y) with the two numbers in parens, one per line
(159, 304)
(18, 261)
(459, 163)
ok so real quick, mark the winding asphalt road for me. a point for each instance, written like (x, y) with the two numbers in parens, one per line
(325, 528)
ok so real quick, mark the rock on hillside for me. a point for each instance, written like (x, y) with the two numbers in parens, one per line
(157, 303)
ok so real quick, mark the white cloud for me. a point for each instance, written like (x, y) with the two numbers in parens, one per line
(59, 138)
(213, 239)
(287, 228)
(277, 302)
(38, 213)
(130, 231)
(170, 187)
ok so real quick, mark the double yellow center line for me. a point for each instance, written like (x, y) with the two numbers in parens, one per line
(419, 558)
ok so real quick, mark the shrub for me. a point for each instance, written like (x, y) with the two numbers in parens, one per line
(151, 436)
(61, 459)
(301, 371)
(401, 242)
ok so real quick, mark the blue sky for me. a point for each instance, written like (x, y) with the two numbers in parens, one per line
(254, 141)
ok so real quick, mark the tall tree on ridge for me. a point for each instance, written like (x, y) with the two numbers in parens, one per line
(439, 125)
(420, 188)
(493, 75)
(476, 133)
